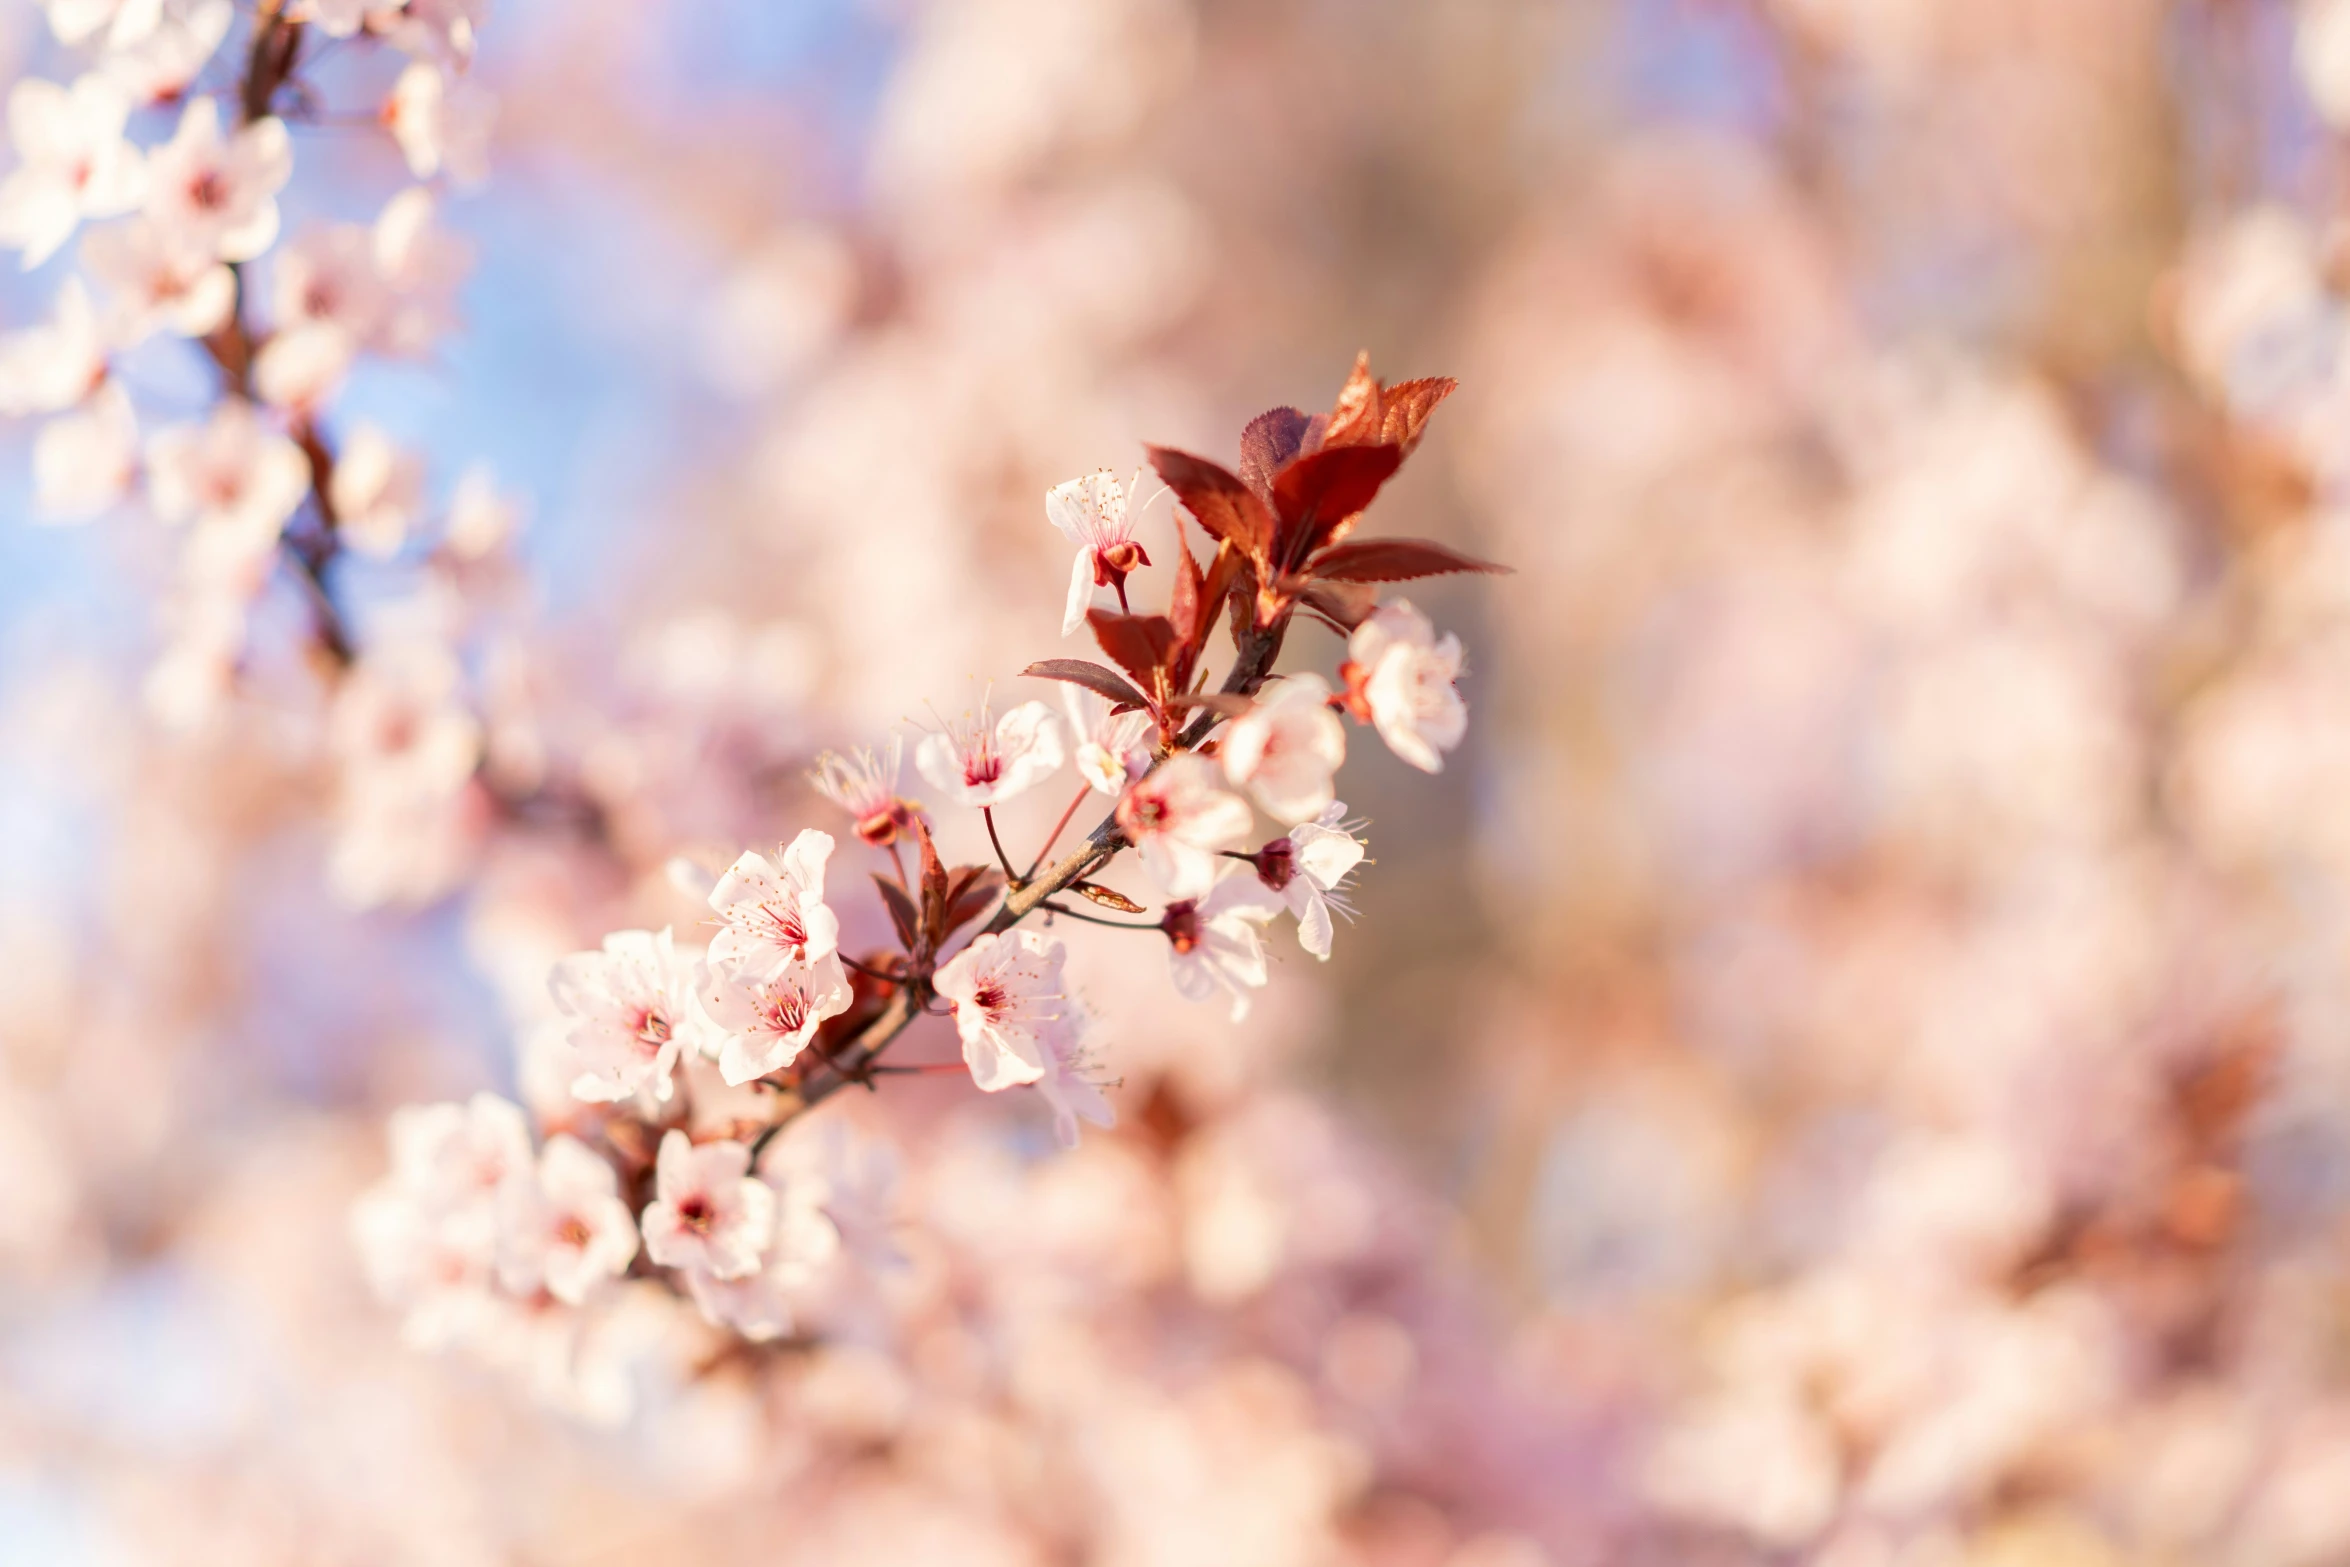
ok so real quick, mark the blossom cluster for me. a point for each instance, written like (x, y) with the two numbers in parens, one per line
(175, 198)
(649, 1027)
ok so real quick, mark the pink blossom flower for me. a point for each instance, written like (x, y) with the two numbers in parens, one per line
(238, 476)
(217, 192)
(346, 18)
(1069, 1083)
(564, 1226)
(1112, 750)
(378, 490)
(454, 1155)
(75, 165)
(773, 916)
(1307, 869)
(159, 67)
(84, 461)
(1006, 991)
(1181, 819)
(709, 1215)
(804, 1245)
(421, 266)
(632, 1011)
(769, 1014)
(154, 285)
(1218, 941)
(330, 300)
(1095, 514)
(124, 22)
(866, 786)
(986, 761)
(437, 1267)
(441, 123)
(399, 720)
(56, 365)
(1399, 678)
(1287, 748)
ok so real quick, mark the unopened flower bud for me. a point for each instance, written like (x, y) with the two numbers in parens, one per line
(1181, 922)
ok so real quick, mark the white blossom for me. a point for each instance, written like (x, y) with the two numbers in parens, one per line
(1181, 818)
(1097, 515)
(233, 473)
(75, 163)
(123, 22)
(441, 123)
(54, 366)
(1308, 869)
(1069, 1083)
(632, 1011)
(772, 915)
(156, 284)
(709, 1214)
(769, 1015)
(986, 761)
(563, 1226)
(1218, 941)
(421, 266)
(1287, 748)
(866, 786)
(159, 67)
(378, 491)
(1112, 749)
(1007, 995)
(217, 191)
(1401, 676)
(84, 461)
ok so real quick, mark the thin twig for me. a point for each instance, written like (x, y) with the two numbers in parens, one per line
(1058, 828)
(1095, 919)
(1001, 858)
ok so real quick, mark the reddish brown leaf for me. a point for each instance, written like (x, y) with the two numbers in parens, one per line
(1344, 604)
(1092, 676)
(1142, 645)
(975, 888)
(1228, 509)
(1354, 418)
(1316, 494)
(902, 913)
(1394, 560)
(1271, 442)
(1106, 898)
(1223, 572)
(1229, 705)
(934, 886)
(1183, 606)
(1404, 409)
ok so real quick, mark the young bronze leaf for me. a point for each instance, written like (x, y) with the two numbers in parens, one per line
(1217, 500)
(1271, 442)
(1314, 495)
(1139, 644)
(1183, 597)
(902, 913)
(1394, 560)
(1106, 898)
(975, 888)
(1354, 418)
(1345, 605)
(1092, 676)
(1404, 409)
(934, 887)
(1226, 704)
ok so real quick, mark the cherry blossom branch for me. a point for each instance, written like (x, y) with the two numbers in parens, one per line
(269, 65)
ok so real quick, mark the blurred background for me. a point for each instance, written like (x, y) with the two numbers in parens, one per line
(1850, 1064)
